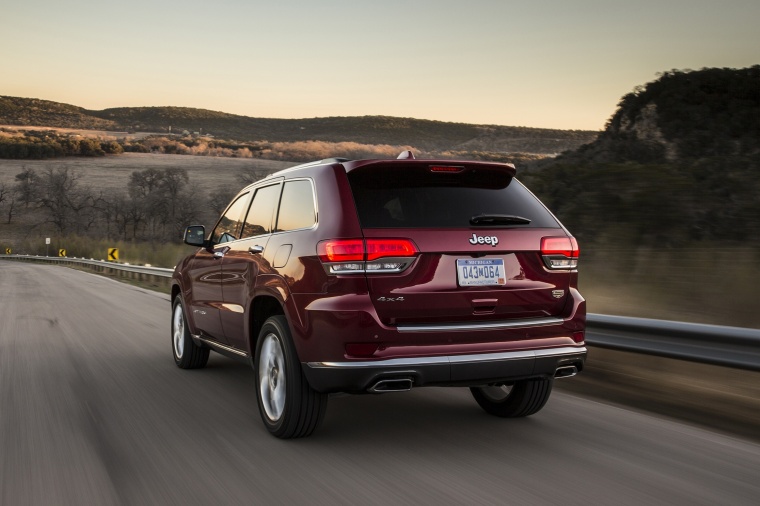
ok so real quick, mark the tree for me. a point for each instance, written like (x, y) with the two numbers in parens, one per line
(158, 201)
(69, 206)
(173, 185)
(8, 196)
(27, 186)
(219, 198)
(11, 208)
(143, 182)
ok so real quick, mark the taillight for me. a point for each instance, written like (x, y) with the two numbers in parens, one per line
(379, 248)
(341, 250)
(353, 256)
(560, 252)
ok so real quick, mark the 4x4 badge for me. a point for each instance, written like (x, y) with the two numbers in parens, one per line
(558, 293)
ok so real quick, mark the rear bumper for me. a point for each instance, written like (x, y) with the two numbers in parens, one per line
(462, 370)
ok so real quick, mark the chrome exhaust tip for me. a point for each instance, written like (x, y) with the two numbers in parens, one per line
(391, 385)
(567, 371)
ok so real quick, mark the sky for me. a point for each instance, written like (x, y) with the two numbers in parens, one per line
(537, 63)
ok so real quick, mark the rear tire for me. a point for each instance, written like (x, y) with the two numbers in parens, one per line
(524, 398)
(289, 407)
(187, 354)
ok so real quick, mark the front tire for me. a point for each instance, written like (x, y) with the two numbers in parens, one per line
(289, 407)
(523, 398)
(187, 354)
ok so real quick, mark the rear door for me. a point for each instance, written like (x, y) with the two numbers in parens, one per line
(467, 269)
(244, 262)
(205, 270)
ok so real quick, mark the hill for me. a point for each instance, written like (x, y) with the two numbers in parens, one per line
(683, 115)
(35, 112)
(424, 135)
(678, 163)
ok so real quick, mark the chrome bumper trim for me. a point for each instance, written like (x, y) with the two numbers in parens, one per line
(523, 323)
(452, 359)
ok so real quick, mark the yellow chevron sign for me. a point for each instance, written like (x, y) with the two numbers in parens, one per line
(7, 251)
(113, 254)
(61, 252)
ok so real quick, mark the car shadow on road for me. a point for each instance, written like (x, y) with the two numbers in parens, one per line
(403, 416)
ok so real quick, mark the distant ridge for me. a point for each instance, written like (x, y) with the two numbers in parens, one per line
(683, 115)
(678, 164)
(420, 134)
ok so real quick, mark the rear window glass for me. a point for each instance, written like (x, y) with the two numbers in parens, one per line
(415, 197)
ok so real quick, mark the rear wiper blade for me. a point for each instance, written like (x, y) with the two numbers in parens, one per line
(498, 219)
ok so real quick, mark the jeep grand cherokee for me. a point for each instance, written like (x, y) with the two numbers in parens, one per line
(381, 276)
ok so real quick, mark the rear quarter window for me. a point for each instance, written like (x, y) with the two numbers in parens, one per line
(297, 209)
(413, 197)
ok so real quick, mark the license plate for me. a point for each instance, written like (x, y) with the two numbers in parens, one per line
(480, 272)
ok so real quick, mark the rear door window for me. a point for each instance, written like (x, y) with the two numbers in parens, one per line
(259, 219)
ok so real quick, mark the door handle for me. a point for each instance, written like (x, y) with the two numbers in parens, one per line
(256, 249)
(221, 252)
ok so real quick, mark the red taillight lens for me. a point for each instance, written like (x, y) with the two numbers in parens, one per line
(356, 256)
(565, 246)
(560, 252)
(576, 248)
(341, 250)
(380, 248)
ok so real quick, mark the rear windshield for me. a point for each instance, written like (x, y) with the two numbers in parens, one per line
(415, 197)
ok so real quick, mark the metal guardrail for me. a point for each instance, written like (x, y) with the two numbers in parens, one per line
(139, 269)
(711, 344)
(735, 347)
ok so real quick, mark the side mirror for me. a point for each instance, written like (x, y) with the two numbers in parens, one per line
(195, 235)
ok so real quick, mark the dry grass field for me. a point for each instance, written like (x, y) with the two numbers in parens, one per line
(111, 173)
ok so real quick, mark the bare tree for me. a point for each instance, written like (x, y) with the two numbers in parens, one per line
(143, 182)
(186, 210)
(67, 205)
(219, 198)
(27, 186)
(173, 185)
(4, 192)
(8, 196)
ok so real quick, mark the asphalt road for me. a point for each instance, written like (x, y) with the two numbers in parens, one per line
(93, 411)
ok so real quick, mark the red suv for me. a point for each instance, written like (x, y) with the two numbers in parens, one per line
(380, 276)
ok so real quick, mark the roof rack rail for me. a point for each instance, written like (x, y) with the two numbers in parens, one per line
(308, 164)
